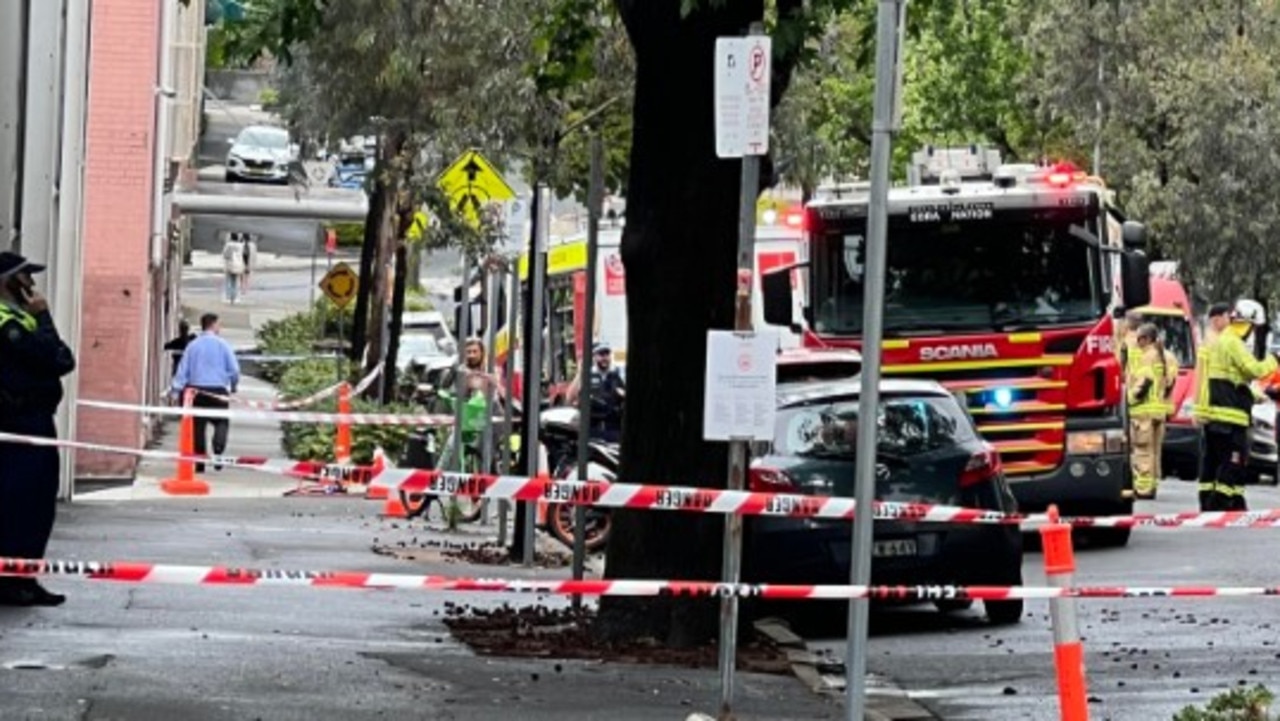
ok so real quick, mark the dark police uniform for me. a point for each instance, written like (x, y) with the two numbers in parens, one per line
(33, 360)
(606, 404)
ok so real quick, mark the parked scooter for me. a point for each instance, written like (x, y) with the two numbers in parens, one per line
(559, 431)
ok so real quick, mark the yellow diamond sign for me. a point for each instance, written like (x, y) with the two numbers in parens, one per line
(340, 284)
(471, 183)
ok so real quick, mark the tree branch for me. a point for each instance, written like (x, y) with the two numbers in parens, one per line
(785, 63)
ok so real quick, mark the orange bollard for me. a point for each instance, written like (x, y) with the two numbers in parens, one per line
(1068, 650)
(185, 482)
(342, 441)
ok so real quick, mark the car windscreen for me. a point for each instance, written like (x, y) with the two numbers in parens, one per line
(419, 345)
(265, 138)
(906, 426)
(1016, 268)
(1176, 332)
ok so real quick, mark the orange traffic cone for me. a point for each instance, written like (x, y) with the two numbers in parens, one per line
(185, 482)
(342, 440)
(394, 508)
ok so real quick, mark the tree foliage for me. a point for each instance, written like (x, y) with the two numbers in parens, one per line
(1187, 99)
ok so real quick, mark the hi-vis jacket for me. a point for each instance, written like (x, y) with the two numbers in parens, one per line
(33, 359)
(1146, 384)
(1225, 369)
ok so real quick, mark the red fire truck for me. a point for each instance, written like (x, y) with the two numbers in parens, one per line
(1003, 283)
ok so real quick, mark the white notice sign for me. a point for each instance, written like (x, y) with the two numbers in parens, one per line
(740, 400)
(743, 67)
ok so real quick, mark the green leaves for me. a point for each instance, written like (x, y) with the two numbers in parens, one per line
(1190, 119)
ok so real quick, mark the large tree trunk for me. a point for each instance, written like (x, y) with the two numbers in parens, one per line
(679, 248)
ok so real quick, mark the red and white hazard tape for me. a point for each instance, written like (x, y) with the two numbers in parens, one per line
(355, 419)
(282, 405)
(673, 498)
(224, 575)
(754, 503)
(665, 498)
(301, 470)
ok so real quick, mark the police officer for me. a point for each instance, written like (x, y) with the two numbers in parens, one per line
(1224, 401)
(33, 360)
(1146, 389)
(608, 393)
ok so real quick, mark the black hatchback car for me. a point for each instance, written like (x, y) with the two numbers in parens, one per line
(928, 452)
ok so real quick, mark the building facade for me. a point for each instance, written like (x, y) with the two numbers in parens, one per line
(120, 81)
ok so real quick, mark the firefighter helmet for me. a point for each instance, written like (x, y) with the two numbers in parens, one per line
(1249, 311)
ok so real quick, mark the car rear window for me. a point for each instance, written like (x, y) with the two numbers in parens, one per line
(907, 426)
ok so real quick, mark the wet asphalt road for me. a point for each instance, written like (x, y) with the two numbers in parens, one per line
(143, 652)
(1146, 658)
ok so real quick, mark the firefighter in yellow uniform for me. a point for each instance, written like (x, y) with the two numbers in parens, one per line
(1170, 369)
(1146, 385)
(1127, 340)
(1224, 399)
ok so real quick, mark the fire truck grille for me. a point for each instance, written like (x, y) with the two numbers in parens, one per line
(1017, 409)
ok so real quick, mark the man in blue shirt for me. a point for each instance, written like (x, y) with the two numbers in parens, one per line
(210, 368)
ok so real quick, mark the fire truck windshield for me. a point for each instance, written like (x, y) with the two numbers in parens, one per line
(1017, 269)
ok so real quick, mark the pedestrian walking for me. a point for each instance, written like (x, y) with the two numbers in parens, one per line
(250, 262)
(233, 267)
(210, 368)
(33, 361)
(1225, 400)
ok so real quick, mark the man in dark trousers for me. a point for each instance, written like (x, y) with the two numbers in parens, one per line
(33, 360)
(210, 368)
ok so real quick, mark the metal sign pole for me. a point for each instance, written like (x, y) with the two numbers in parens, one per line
(891, 13)
(513, 322)
(491, 281)
(739, 450)
(460, 385)
(595, 201)
(533, 370)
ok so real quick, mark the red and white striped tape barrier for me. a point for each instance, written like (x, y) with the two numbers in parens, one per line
(355, 419)
(301, 470)
(130, 572)
(287, 405)
(665, 498)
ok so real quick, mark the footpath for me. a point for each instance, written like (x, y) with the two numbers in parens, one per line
(152, 651)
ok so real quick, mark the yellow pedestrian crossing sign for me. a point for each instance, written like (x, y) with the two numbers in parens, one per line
(471, 183)
(340, 285)
(419, 226)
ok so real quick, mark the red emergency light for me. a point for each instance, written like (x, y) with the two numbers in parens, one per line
(1062, 175)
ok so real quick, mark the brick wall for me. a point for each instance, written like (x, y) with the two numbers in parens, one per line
(117, 292)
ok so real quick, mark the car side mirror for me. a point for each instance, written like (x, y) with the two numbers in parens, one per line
(776, 295)
(1134, 235)
(1135, 279)
(231, 141)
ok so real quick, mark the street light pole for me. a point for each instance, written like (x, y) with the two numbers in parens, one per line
(889, 21)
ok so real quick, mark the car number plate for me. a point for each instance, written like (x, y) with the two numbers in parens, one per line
(892, 549)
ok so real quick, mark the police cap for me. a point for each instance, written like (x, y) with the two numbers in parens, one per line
(11, 263)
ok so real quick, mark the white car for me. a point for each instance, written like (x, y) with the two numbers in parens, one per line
(1264, 453)
(260, 153)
